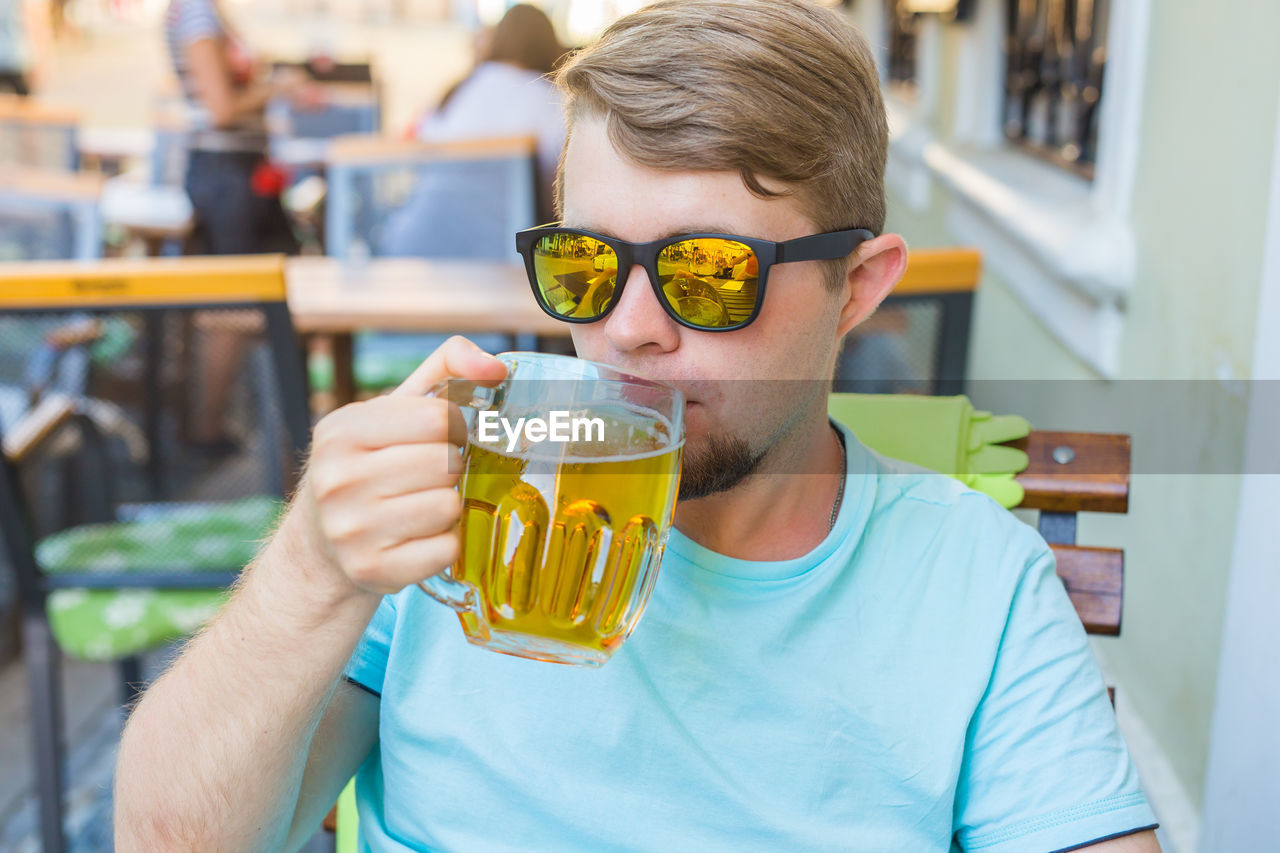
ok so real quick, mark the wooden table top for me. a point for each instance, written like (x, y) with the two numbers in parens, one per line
(410, 294)
(52, 184)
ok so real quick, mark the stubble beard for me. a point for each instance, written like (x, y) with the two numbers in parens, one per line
(721, 463)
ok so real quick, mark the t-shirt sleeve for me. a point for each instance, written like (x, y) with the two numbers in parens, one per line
(368, 664)
(195, 20)
(1045, 766)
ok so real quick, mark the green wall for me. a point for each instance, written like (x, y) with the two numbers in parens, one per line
(1211, 82)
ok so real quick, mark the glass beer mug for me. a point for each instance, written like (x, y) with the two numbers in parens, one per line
(569, 479)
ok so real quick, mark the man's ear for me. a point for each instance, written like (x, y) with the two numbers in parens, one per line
(877, 266)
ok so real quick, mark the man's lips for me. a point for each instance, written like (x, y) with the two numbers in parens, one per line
(692, 389)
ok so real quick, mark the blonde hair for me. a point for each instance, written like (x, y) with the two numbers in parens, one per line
(778, 89)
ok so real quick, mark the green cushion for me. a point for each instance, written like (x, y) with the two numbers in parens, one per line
(115, 340)
(106, 625)
(944, 434)
(378, 370)
(320, 371)
(347, 838)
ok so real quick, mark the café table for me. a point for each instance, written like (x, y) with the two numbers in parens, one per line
(331, 299)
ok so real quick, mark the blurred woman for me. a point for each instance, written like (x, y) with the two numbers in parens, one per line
(507, 93)
(234, 190)
(228, 178)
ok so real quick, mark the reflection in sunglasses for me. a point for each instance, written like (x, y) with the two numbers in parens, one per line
(725, 273)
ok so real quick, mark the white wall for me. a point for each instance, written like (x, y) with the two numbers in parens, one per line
(1242, 786)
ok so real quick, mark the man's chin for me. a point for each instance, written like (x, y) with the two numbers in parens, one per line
(714, 464)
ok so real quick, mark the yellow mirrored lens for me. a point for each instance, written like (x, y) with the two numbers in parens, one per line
(710, 282)
(575, 274)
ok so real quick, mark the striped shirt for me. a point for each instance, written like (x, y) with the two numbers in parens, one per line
(187, 22)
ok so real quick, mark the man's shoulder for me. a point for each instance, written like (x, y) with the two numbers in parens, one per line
(943, 555)
(904, 481)
(938, 512)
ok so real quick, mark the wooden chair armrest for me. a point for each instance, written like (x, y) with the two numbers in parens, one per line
(38, 426)
(375, 149)
(1094, 578)
(1075, 472)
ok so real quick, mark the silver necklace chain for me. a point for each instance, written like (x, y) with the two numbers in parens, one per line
(844, 464)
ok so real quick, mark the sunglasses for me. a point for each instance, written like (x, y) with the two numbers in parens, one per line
(709, 282)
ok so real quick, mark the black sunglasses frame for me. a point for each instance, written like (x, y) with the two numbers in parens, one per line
(827, 246)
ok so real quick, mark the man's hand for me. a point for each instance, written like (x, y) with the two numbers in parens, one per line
(378, 500)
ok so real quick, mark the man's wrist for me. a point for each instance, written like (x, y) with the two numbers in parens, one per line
(299, 567)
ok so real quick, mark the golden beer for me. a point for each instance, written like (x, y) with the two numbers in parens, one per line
(562, 529)
(562, 546)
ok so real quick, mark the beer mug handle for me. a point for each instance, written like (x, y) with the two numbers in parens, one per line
(442, 587)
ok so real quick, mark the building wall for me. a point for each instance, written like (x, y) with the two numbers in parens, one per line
(1244, 749)
(1207, 129)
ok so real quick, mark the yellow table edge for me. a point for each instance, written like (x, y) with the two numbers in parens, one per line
(120, 282)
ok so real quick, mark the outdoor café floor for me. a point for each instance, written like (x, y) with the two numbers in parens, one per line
(94, 720)
(93, 726)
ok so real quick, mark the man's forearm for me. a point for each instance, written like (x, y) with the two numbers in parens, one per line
(215, 755)
(212, 758)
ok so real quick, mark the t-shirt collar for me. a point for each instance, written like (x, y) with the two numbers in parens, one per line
(855, 508)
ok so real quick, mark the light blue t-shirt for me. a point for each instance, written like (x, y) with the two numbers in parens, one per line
(918, 682)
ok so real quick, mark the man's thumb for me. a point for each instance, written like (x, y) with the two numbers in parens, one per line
(456, 358)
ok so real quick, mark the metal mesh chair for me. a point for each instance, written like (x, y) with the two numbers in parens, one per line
(391, 198)
(158, 534)
(300, 136)
(49, 215)
(36, 134)
(917, 342)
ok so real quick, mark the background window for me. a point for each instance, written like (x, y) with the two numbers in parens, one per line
(903, 28)
(1056, 55)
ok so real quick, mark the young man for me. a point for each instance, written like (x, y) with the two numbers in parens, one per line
(839, 654)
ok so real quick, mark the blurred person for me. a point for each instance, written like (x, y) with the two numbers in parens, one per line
(508, 93)
(842, 652)
(58, 22)
(234, 189)
(24, 45)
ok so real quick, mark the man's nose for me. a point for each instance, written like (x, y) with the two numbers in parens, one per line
(638, 320)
